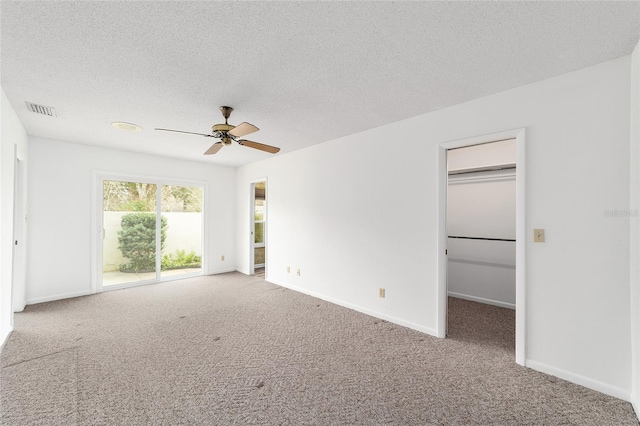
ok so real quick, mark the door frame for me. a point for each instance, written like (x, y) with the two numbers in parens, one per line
(19, 256)
(98, 177)
(252, 201)
(521, 242)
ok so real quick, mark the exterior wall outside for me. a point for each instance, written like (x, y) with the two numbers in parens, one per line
(188, 237)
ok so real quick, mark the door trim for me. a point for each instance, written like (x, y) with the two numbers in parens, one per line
(18, 294)
(521, 232)
(252, 200)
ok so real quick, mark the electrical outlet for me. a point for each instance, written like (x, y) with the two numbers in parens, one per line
(381, 292)
(538, 235)
(288, 269)
(222, 258)
(298, 272)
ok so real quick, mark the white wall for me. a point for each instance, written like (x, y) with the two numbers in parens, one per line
(60, 211)
(634, 253)
(13, 142)
(360, 212)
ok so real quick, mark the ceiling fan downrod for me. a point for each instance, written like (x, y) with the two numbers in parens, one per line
(222, 130)
(226, 113)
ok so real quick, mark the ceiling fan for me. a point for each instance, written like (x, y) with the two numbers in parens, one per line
(227, 133)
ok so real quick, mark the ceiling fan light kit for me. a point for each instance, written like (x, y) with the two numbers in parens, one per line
(228, 133)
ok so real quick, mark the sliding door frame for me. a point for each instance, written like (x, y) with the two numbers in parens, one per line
(97, 187)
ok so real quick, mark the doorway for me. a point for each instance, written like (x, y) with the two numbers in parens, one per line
(485, 244)
(258, 228)
(18, 279)
(151, 231)
(481, 244)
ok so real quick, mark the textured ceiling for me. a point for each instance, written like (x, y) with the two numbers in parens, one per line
(304, 72)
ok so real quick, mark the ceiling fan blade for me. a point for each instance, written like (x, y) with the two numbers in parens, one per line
(260, 146)
(243, 129)
(214, 148)
(181, 131)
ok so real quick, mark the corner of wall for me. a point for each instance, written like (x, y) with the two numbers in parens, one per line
(5, 337)
(634, 228)
(13, 142)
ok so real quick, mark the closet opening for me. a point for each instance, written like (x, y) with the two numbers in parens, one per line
(482, 236)
(481, 243)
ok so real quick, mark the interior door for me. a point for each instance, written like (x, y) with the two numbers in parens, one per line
(259, 225)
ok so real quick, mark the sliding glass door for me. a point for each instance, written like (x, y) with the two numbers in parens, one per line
(150, 231)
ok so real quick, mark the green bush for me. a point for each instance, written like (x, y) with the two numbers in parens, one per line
(137, 241)
(181, 259)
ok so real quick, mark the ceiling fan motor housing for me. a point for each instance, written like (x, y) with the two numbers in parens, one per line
(222, 131)
(221, 128)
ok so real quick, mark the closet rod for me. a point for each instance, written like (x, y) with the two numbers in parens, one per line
(481, 238)
(482, 169)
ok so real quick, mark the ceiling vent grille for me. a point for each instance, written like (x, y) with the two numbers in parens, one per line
(41, 109)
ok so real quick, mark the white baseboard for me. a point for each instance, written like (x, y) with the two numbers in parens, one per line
(395, 320)
(4, 338)
(483, 300)
(53, 297)
(580, 380)
(222, 271)
(636, 406)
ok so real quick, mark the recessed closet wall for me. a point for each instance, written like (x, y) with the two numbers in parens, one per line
(481, 226)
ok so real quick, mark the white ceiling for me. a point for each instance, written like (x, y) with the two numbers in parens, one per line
(303, 72)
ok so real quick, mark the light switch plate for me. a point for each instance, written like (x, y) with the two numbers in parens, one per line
(538, 235)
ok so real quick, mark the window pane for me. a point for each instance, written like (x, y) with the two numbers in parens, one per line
(258, 259)
(182, 246)
(259, 232)
(129, 241)
(259, 210)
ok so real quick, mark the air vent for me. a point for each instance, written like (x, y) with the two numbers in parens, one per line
(41, 109)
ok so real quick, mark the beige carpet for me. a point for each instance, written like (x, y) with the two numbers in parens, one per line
(232, 349)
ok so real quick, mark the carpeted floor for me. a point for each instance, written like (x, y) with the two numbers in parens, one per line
(233, 349)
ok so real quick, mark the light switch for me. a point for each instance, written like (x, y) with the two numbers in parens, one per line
(538, 235)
